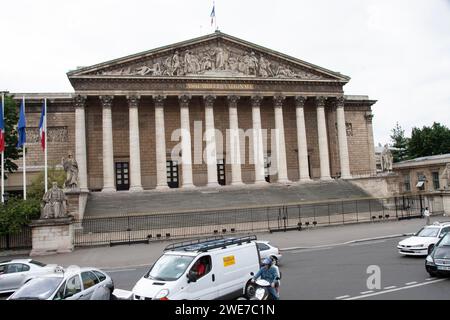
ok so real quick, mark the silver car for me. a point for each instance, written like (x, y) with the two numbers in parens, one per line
(73, 283)
(14, 273)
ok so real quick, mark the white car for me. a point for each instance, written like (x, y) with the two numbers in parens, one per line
(266, 250)
(14, 273)
(423, 241)
(73, 283)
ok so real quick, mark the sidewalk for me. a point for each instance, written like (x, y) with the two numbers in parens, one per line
(144, 254)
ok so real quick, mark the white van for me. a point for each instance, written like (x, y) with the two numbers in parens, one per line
(206, 269)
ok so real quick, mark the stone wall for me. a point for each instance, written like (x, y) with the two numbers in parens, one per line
(52, 236)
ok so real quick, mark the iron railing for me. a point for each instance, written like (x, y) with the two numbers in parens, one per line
(19, 240)
(150, 227)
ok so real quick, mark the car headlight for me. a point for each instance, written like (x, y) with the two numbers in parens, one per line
(430, 259)
(162, 294)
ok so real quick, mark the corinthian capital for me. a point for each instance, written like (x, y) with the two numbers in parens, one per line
(300, 101)
(133, 101)
(233, 100)
(184, 100)
(278, 101)
(209, 100)
(159, 100)
(79, 101)
(106, 101)
(320, 101)
(340, 102)
(256, 101)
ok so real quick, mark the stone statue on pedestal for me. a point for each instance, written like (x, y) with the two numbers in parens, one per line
(71, 168)
(386, 159)
(55, 205)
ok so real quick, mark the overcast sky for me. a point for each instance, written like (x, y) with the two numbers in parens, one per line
(395, 51)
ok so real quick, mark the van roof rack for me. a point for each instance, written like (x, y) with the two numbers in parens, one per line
(205, 244)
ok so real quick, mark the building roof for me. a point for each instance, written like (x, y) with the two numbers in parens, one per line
(421, 161)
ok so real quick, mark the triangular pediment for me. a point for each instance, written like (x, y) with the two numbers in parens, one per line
(213, 56)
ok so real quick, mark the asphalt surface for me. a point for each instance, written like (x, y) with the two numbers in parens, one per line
(340, 272)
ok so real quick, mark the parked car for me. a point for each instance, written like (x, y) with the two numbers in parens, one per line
(67, 284)
(266, 250)
(424, 240)
(202, 269)
(438, 261)
(14, 273)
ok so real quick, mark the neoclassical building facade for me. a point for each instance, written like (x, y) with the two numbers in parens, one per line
(210, 111)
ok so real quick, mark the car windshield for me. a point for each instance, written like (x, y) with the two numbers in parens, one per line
(428, 232)
(169, 267)
(38, 288)
(445, 241)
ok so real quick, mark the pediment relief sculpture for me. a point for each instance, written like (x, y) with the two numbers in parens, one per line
(213, 61)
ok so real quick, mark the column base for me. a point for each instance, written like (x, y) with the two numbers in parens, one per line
(84, 190)
(188, 186)
(162, 187)
(261, 182)
(136, 189)
(284, 181)
(237, 183)
(346, 177)
(213, 185)
(108, 189)
(327, 178)
(304, 180)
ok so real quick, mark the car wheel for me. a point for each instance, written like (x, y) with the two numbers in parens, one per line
(250, 290)
(433, 274)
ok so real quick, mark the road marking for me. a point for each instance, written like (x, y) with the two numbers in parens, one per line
(366, 243)
(410, 283)
(391, 287)
(342, 297)
(428, 279)
(366, 292)
(397, 289)
(120, 270)
(312, 250)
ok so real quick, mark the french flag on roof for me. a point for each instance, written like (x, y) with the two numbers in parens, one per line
(2, 130)
(42, 127)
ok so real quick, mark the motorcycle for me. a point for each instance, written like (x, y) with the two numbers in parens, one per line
(261, 290)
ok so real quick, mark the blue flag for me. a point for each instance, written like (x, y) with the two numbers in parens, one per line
(21, 127)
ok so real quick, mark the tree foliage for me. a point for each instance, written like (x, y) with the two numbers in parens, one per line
(399, 142)
(11, 151)
(429, 141)
(17, 213)
(36, 189)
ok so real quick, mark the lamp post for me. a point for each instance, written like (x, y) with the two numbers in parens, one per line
(5, 198)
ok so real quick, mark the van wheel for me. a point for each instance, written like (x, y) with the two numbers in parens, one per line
(250, 290)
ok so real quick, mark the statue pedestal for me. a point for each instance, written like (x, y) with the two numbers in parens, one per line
(76, 202)
(50, 236)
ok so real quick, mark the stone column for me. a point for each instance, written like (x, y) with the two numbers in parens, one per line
(210, 137)
(301, 139)
(108, 151)
(235, 145)
(186, 152)
(342, 138)
(160, 138)
(279, 138)
(323, 140)
(370, 143)
(80, 141)
(135, 150)
(258, 148)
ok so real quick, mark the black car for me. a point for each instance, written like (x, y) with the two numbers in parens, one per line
(438, 260)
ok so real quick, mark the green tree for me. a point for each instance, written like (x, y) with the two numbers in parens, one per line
(17, 213)
(429, 141)
(399, 142)
(36, 189)
(11, 151)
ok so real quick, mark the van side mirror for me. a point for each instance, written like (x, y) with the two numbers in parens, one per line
(191, 277)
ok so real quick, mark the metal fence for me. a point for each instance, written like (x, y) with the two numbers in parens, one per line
(150, 227)
(19, 240)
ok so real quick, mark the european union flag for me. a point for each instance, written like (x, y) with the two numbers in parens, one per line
(21, 126)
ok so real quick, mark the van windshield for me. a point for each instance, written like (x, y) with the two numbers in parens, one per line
(169, 267)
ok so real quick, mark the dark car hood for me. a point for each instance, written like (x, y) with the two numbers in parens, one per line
(442, 253)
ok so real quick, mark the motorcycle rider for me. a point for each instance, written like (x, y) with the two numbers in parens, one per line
(270, 274)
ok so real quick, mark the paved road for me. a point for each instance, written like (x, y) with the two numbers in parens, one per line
(340, 273)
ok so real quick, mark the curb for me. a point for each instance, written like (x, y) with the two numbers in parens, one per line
(349, 242)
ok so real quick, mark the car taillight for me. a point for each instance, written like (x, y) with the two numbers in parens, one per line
(165, 298)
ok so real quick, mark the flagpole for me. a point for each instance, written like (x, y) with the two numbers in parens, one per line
(3, 152)
(45, 143)
(24, 160)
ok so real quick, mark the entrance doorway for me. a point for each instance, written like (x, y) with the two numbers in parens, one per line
(267, 165)
(221, 172)
(122, 174)
(172, 174)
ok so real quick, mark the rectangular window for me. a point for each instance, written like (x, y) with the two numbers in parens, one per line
(436, 180)
(406, 183)
(421, 181)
